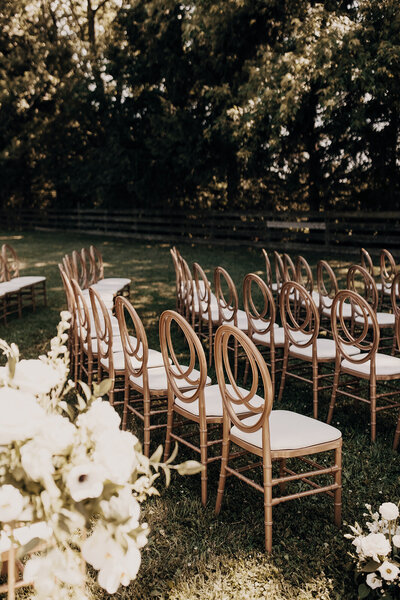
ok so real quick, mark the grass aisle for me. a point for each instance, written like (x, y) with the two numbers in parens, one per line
(192, 554)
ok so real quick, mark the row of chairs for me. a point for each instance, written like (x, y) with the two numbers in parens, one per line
(305, 336)
(17, 291)
(157, 386)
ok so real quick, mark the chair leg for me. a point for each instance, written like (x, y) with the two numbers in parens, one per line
(210, 341)
(338, 491)
(397, 435)
(146, 422)
(283, 376)
(267, 475)
(126, 403)
(203, 454)
(372, 396)
(315, 390)
(44, 293)
(333, 396)
(170, 424)
(246, 371)
(222, 476)
(282, 465)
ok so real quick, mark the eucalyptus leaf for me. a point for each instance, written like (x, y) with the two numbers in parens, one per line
(370, 566)
(363, 591)
(28, 547)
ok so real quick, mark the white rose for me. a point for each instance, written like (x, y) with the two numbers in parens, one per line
(100, 417)
(389, 571)
(11, 503)
(374, 545)
(115, 453)
(396, 540)
(373, 581)
(21, 416)
(389, 511)
(85, 481)
(36, 460)
(36, 377)
(58, 433)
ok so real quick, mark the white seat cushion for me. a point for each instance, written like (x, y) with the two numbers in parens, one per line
(289, 431)
(154, 360)
(214, 315)
(7, 287)
(214, 404)
(105, 294)
(279, 337)
(242, 322)
(158, 380)
(117, 344)
(385, 365)
(117, 282)
(326, 350)
(347, 309)
(28, 280)
(274, 287)
(384, 319)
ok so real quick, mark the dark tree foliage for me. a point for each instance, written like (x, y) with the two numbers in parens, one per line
(260, 104)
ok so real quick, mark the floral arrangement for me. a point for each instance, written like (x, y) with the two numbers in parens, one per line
(378, 553)
(71, 482)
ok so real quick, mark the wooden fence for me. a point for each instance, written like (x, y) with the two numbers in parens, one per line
(332, 231)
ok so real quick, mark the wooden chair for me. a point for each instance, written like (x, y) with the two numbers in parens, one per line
(146, 385)
(368, 365)
(29, 285)
(10, 296)
(388, 269)
(261, 315)
(271, 435)
(366, 261)
(73, 339)
(290, 272)
(79, 269)
(327, 288)
(303, 346)
(87, 360)
(207, 307)
(178, 279)
(118, 285)
(279, 271)
(273, 286)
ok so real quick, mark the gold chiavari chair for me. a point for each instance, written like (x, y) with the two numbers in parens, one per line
(290, 273)
(273, 286)
(271, 435)
(87, 360)
(327, 288)
(207, 306)
(117, 285)
(387, 266)
(279, 271)
(366, 261)
(73, 339)
(369, 365)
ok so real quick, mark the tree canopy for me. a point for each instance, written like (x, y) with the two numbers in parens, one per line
(267, 104)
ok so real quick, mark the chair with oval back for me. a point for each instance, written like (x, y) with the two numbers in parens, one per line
(207, 308)
(303, 346)
(290, 272)
(327, 288)
(279, 271)
(73, 341)
(273, 286)
(388, 269)
(271, 435)
(116, 285)
(368, 365)
(366, 261)
(87, 362)
(27, 286)
(178, 279)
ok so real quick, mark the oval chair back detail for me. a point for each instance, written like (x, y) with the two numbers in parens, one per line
(270, 435)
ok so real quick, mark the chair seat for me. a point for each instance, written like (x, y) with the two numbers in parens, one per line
(347, 309)
(279, 337)
(105, 294)
(242, 322)
(118, 282)
(385, 364)
(117, 344)
(154, 360)
(213, 402)
(275, 287)
(289, 431)
(326, 350)
(384, 319)
(28, 280)
(7, 287)
(157, 378)
(214, 315)
(315, 297)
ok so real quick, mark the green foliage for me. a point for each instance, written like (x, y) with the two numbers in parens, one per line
(244, 102)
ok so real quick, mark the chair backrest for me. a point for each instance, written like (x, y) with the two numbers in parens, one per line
(234, 395)
(194, 373)
(228, 303)
(135, 347)
(395, 299)
(359, 280)
(97, 265)
(202, 289)
(69, 292)
(188, 291)
(366, 261)
(304, 274)
(289, 268)
(327, 284)
(299, 314)
(86, 260)
(259, 306)
(268, 269)
(82, 316)
(178, 278)
(79, 269)
(279, 270)
(387, 269)
(67, 266)
(10, 262)
(104, 331)
(3, 269)
(364, 334)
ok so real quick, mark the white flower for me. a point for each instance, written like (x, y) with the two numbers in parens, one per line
(11, 503)
(388, 570)
(37, 460)
(21, 416)
(35, 377)
(123, 507)
(115, 453)
(374, 545)
(58, 433)
(85, 481)
(389, 511)
(396, 540)
(100, 417)
(106, 555)
(373, 581)
(48, 571)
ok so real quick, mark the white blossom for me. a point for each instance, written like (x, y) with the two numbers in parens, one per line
(388, 571)
(396, 540)
(373, 581)
(389, 511)
(11, 503)
(21, 416)
(35, 377)
(115, 453)
(374, 545)
(85, 481)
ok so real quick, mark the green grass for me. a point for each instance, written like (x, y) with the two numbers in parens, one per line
(191, 553)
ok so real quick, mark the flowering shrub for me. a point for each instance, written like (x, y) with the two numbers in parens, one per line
(378, 553)
(69, 477)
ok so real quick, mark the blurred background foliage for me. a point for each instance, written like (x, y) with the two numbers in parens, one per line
(261, 104)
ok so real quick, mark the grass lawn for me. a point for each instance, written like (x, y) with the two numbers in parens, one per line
(191, 553)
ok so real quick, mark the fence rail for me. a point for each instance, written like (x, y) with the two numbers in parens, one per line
(329, 230)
